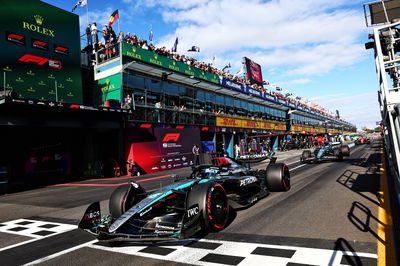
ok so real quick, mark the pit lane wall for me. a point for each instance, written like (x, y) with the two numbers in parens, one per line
(159, 149)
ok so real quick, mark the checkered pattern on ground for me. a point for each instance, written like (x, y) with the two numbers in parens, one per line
(207, 252)
(34, 229)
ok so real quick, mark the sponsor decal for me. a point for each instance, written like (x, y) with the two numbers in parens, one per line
(38, 28)
(194, 210)
(164, 227)
(145, 211)
(253, 199)
(91, 215)
(164, 232)
(248, 180)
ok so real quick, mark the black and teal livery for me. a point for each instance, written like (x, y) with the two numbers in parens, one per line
(201, 202)
(333, 151)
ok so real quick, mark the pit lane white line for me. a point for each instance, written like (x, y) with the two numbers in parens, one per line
(301, 165)
(52, 256)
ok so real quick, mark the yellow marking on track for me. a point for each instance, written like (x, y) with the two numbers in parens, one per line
(385, 247)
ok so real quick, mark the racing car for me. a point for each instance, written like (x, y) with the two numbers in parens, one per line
(328, 152)
(199, 203)
(362, 141)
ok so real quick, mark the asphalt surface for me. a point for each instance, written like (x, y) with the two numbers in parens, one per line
(329, 217)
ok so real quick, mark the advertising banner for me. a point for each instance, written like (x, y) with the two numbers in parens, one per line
(233, 85)
(297, 128)
(155, 59)
(108, 91)
(160, 149)
(40, 51)
(243, 123)
(253, 71)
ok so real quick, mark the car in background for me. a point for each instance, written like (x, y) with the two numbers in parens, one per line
(200, 202)
(334, 151)
(362, 141)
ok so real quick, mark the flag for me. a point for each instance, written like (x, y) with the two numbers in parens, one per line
(227, 66)
(80, 3)
(278, 88)
(265, 82)
(194, 49)
(151, 33)
(240, 71)
(175, 47)
(114, 16)
(299, 98)
(213, 60)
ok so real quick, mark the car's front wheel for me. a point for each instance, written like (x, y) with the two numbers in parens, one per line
(212, 203)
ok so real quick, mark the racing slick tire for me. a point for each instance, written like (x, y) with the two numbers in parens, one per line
(306, 154)
(278, 177)
(124, 197)
(212, 203)
(345, 149)
(338, 153)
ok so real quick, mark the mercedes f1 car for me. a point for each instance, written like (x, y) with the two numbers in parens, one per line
(328, 152)
(201, 202)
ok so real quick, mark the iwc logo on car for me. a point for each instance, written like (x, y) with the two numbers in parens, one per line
(193, 211)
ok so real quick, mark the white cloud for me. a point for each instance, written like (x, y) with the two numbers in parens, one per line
(305, 35)
(295, 81)
(361, 110)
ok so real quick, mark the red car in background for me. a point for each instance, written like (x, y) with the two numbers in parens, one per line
(362, 141)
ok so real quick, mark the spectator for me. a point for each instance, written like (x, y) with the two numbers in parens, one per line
(127, 102)
(157, 107)
(196, 154)
(95, 37)
(105, 33)
(88, 35)
(236, 150)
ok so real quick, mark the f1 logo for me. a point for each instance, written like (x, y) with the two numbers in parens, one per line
(27, 58)
(171, 136)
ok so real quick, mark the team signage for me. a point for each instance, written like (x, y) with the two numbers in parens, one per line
(160, 149)
(155, 59)
(40, 51)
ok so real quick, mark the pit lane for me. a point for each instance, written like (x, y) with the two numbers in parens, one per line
(329, 215)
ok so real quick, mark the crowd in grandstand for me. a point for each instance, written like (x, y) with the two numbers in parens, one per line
(109, 50)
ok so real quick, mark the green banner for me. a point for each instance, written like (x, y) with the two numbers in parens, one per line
(155, 59)
(108, 89)
(40, 51)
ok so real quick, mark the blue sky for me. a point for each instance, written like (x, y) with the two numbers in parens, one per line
(312, 48)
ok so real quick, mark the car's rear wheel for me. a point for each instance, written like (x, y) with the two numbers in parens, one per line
(338, 153)
(278, 177)
(345, 149)
(124, 197)
(213, 205)
(306, 154)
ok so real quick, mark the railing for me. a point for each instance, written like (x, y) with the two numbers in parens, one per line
(387, 66)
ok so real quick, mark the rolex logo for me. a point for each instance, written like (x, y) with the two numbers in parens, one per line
(39, 19)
